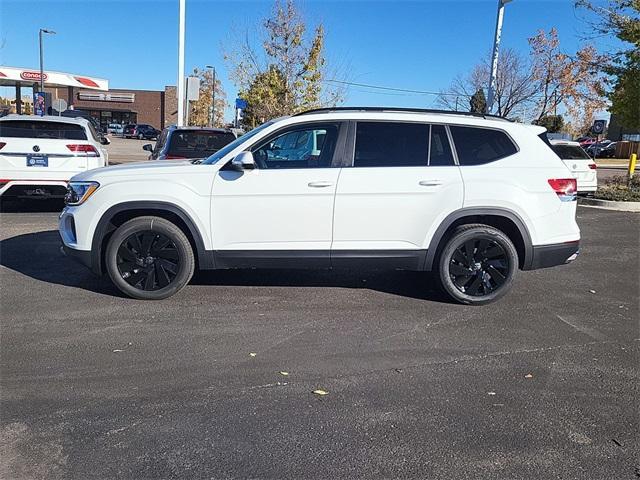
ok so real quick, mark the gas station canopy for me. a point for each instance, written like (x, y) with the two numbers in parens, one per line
(15, 76)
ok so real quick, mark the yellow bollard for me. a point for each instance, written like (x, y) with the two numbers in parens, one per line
(632, 164)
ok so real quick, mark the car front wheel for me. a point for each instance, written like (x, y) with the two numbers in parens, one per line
(477, 264)
(149, 258)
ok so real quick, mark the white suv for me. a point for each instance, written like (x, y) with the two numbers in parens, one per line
(38, 155)
(474, 198)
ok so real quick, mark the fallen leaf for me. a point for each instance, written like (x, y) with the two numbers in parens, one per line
(320, 392)
(252, 354)
(284, 373)
(491, 393)
(528, 375)
(117, 350)
(592, 291)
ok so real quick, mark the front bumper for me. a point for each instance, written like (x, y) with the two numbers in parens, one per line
(555, 254)
(81, 256)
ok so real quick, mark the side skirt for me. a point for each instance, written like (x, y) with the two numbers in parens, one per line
(317, 259)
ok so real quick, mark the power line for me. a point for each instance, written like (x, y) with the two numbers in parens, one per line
(404, 90)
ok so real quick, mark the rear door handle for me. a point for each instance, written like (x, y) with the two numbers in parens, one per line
(430, 183)
(320, 184)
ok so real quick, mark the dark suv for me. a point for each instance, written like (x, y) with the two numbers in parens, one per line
(189, 142)
(140, 131)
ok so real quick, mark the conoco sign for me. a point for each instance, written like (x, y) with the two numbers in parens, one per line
(35, 76)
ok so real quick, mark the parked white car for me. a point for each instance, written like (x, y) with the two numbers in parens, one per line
(471, 197)
(38, 155)
(115, 129)
(582, 166)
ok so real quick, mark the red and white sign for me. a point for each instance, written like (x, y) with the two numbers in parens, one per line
(35, 76)
(10, 76)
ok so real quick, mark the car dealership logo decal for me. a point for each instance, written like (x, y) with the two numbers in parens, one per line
(27, 75)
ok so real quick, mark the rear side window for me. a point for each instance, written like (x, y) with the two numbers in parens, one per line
(36, 129)
(570, 152)
(195, 143)
(385, 144)
(440, 151)
(476, 146)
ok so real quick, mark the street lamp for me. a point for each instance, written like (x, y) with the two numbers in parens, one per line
(496, 48)
(212, 117)
(50, 32)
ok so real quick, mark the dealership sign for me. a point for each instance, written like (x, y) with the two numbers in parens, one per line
(12, 76)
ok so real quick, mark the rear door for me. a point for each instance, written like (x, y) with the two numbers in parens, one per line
(43, 150)
(403, 181)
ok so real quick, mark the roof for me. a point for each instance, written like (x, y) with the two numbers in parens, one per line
(10, 76)
(46, 118)
(196, 128)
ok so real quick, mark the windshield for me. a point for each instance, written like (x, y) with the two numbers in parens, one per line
(570, 152)
(230, 147)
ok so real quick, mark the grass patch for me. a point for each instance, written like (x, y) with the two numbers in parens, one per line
(618, 189)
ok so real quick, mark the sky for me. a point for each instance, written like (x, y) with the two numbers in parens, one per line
(418, 45)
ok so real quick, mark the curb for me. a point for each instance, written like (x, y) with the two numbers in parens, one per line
(610, 205)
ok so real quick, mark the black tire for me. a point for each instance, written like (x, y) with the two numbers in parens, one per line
(149, 258)
(477, 264)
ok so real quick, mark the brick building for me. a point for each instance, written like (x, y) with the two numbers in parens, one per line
(154, 107)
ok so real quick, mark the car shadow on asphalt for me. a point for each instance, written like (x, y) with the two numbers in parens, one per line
(38, 256)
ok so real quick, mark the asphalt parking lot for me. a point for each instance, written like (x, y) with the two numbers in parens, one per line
(543, 384)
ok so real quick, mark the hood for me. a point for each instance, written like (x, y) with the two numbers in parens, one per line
(146, 169)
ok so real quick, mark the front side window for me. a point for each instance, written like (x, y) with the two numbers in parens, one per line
(477, 146)
(300, 147)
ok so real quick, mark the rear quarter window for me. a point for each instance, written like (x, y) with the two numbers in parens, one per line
(38, 129)
(477, 146)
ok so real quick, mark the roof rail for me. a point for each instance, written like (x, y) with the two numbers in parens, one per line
(398, 109)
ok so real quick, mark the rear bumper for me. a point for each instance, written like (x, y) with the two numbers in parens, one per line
(544, 256)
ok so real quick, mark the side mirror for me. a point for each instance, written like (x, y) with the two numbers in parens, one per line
(148, 147)
(104, 141)
(243, 161)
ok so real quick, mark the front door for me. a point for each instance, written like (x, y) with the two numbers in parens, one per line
(283, 209)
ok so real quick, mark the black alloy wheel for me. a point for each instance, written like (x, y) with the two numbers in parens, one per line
(478, 267)
(148, 260)
(477, 264)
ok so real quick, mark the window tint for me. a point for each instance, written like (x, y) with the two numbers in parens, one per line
(197, 143)
(570, 152)
(300, 148)
(476, 146)
(385, 144)
(440, 152)
(39, 129)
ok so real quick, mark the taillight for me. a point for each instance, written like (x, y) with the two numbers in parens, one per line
(565, 188)
(174, 157)
(82, 148)
(593, 166)
(2, 144)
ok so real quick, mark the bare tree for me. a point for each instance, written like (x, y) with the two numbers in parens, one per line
(514, 85)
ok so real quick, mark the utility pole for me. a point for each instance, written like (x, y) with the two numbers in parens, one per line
(212, 116)
(496, 49)
(180, 93)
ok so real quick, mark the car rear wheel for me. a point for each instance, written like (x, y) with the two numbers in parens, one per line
(477, 264)
(140, 136)
(149, 258)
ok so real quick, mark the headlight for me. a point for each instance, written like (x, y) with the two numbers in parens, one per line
(79, 192)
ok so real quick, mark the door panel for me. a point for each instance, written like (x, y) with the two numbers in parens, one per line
(288, 209)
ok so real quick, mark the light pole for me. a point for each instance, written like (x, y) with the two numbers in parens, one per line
(496, 48)
(180, 87)
(50, 32)
(212, 117)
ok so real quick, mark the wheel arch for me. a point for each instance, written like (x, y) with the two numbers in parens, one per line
(122, 212)
(505, 220)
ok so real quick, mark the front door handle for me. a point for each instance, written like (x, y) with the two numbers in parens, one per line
(320, 184)
(429, 183)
